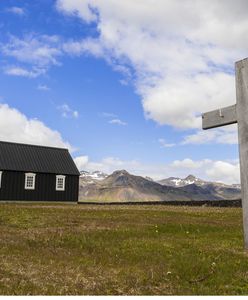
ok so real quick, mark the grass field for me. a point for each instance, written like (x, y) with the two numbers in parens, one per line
(59, 249)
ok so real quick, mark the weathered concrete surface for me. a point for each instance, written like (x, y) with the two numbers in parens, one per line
(219, 117)
(236, 114)
(242, 115)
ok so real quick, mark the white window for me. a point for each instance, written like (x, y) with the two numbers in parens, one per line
(1, 172)
(60, 182)
(30, 181)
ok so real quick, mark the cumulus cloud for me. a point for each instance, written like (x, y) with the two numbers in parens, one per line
(190, 164)
(67, 112)
(89, 45)
(225, 135)
(178, 52)
(77, 7)
(221, 171)
(81, 162)
(16, 127)
(107, 165)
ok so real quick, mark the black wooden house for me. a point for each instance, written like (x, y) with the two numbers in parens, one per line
(37, 173)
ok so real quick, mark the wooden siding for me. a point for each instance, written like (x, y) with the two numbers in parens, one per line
(13, 184)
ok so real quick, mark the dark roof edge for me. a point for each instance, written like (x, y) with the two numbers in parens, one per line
(31, 145)
(30, 171)
(75, 165)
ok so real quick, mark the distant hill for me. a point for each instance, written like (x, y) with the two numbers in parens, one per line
(124, 187)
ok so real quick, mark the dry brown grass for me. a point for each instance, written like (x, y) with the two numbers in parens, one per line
(60, 249)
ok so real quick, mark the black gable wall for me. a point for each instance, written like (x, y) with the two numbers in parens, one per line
(46, 162)
(13, 182)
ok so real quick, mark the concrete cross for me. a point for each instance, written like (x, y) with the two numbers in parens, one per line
(237, 113)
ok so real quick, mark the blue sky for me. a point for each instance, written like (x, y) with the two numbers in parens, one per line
(120, 84)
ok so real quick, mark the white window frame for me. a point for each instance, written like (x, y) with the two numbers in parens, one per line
(58, 179)
(27, 176)
(1, 172)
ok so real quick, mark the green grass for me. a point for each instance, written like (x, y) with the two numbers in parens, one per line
(59, 249)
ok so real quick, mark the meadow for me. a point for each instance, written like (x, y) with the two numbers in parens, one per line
(70, 249)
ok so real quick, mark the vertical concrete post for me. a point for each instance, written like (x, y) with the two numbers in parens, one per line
(242, 116)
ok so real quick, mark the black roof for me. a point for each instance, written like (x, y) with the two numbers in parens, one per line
(38, 159)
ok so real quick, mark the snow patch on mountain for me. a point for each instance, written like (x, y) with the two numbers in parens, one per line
(96, 175)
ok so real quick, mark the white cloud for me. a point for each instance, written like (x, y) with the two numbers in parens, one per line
(38, 52)
(117, 122)
(80, 8)
(190, 164)
(81, 162)
(221, 171)
(89, 45)
(16, 10)
(107, 165)
(182, 52)
(16, 127)
(225, 135)
(22, 72)
(224, 171)
(113, 119)
(67, 112)
(164, 144)
(41, 50)
(43, 87)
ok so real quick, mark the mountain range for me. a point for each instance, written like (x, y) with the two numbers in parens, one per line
(191, 179)
(122, 186)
